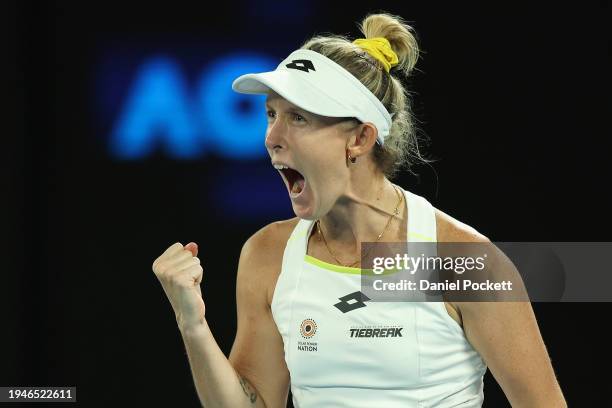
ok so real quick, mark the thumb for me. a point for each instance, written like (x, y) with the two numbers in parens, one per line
(193, 247)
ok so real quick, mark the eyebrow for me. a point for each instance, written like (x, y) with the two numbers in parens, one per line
(271, 97)
(291, 108)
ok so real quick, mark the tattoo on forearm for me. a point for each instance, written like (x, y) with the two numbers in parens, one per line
(248, 390)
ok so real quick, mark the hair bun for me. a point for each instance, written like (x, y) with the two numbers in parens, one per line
(399, 34)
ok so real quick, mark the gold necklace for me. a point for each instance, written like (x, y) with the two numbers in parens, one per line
(395, 213)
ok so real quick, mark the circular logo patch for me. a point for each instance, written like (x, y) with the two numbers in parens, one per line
(308, 328)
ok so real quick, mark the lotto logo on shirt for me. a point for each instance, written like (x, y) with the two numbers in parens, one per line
(375, 331)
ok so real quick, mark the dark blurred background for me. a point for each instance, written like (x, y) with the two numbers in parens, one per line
(125, 137)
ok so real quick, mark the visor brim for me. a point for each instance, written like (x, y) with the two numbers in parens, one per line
(294, 89)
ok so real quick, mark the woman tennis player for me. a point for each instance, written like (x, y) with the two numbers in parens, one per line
(339, 126)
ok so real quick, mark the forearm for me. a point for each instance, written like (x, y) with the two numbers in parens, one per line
(555, 401)
(217, 383)
(542, 391)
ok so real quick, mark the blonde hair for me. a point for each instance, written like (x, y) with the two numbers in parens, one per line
(401, 147)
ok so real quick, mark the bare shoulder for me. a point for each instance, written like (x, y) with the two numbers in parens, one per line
(449, 229)
(268, 237)
(263, 252)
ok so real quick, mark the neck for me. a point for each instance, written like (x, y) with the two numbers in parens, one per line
(361, 212)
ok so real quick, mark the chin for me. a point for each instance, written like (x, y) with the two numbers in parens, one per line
(304, 213)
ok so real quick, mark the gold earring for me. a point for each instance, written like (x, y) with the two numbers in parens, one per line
(352, 159)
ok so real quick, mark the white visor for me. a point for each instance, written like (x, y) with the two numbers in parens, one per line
(317, 84)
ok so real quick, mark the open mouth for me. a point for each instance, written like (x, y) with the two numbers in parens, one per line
(295, 180)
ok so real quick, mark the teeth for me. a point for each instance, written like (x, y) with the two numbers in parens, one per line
(280, 166)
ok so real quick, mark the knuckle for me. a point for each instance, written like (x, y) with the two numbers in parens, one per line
(183, 254)
(162, 268)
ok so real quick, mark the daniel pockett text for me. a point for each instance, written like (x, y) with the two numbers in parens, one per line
(476, 272)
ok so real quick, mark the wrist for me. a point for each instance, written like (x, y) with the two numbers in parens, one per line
(194, 329)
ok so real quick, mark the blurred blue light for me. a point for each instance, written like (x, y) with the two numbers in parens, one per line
(157, 110)
(161, 109)
(238, 121)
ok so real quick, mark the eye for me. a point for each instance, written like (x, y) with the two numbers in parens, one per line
(298, 117)
(270, 114)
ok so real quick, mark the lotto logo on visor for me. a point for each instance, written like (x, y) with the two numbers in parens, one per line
(318, 85)
(302, 65)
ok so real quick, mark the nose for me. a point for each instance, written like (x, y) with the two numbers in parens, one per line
(275, 135)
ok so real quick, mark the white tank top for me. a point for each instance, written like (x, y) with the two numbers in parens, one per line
(343, 352)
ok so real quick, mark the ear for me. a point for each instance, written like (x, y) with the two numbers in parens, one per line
(362, 140)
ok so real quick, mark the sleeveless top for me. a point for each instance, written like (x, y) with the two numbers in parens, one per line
(345, 352)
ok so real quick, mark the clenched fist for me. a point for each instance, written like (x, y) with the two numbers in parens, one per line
(180, 273)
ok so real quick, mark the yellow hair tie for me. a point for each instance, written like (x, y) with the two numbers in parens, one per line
(380, 49)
